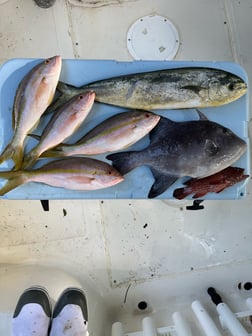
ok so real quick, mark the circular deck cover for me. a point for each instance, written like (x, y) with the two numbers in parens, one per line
(153, 37)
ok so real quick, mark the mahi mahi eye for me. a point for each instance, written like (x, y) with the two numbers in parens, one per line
(231, 87)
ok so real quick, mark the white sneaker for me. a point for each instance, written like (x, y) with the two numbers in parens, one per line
(33, 312)
(70, 315)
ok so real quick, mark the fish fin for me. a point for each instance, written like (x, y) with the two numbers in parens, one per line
(65, 92)
(35, 136)
(52, 153)
(161, 128)
(220, 190)
(18, 157)
(181, 193)
(194, 88)
(65, 88)
(161, 184)
(15, 179)
(13, 152)
(30, 159)
(202, 116)
(123, 161)
(200, 194)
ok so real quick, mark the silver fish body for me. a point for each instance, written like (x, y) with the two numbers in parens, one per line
(165, 89)
(193, 148)
(69, 173)
(62, 125)
(34, 94)
(115, 133)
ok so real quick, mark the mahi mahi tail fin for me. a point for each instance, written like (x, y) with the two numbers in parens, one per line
(124, 162)
(64, 93)
(15, 179)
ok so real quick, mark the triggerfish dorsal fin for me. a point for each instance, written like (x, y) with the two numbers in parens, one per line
(161, 129)
(202, 116)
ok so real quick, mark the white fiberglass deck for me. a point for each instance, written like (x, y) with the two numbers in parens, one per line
(123, 252)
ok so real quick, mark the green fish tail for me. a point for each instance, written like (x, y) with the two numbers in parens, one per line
(14, 153)
(15, 179)
(17, 157)
(53, 153)
(29, 160)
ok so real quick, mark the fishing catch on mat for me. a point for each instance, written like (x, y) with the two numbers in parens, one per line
(200, 149)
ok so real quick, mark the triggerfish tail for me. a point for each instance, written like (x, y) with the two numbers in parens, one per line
(15, 179)
(124, 162)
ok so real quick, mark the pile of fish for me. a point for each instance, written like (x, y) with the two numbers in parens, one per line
(198, 149)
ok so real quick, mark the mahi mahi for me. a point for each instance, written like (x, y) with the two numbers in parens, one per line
(34, 94)
(164, 89)
(192, 148)
(115, 133)
(63, 124)
(68, 173)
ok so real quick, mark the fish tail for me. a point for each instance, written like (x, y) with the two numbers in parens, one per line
(53, 153)
(66, 92)
(18, 157)
(124, 161)
(13, 152)
(29, 160)
(15, 179)
(65, 88)
(181, 193)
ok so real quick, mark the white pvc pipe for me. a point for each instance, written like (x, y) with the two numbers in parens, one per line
(149, 328)
(249, 303)
(205, 320)
(117, 329)
(181, 325)
(230, 320)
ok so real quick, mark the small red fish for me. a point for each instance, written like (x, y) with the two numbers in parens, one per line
(213, 183)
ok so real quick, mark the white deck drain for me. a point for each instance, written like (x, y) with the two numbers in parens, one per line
(153, 37)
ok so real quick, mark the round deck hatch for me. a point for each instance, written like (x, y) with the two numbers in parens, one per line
(153, 37)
